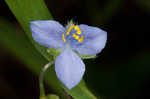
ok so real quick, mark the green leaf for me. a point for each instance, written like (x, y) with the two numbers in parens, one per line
(29, 10)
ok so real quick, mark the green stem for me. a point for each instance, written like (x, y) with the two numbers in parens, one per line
(41, 80)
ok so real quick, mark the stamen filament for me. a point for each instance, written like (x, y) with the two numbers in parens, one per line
(63, 37)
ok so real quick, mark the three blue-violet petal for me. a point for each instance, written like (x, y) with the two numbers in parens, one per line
(84, 39)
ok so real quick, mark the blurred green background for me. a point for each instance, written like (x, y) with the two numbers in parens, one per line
(121, 70)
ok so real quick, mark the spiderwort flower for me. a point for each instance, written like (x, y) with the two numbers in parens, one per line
(84, 39)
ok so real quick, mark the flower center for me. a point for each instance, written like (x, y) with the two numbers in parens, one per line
(75, 33)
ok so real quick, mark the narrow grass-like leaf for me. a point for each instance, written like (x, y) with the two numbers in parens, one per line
(26, 11)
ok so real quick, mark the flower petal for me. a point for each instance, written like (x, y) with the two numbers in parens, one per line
(48, 33)
(94, 40)
(69, 68)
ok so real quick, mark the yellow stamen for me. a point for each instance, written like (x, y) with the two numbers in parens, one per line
(63, 37)
(81, 39)
(70, 28)
(77, 29)
(75, 36)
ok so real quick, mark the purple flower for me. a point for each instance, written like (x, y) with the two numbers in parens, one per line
(84, 39)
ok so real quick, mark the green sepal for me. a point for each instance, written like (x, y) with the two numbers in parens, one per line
(53, 52)
(52, 96)
(86, 56)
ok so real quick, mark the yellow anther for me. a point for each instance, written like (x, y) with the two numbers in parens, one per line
(81, 39)
(79, 32)
(75, 36)
(77, 29)
(70, 28)
(63, 37)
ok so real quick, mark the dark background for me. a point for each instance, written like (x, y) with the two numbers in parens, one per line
(121, 70)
